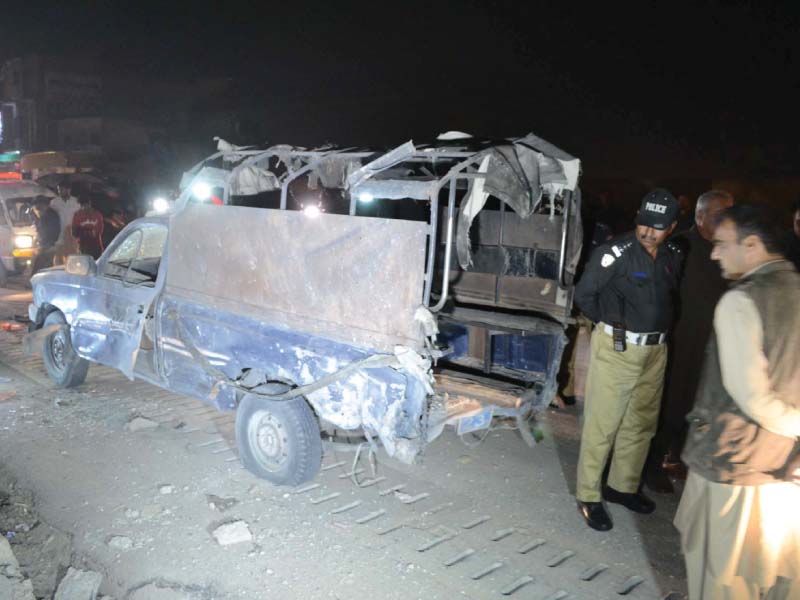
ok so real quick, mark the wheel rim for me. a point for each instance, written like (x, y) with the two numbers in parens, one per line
(268, 439)
(58, 349)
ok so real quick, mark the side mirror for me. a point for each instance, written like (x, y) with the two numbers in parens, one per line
(81, 265)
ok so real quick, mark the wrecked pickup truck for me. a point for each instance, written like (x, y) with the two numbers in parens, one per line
(324, 291)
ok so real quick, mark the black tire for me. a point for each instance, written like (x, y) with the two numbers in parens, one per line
(278, 440)
(63, 365)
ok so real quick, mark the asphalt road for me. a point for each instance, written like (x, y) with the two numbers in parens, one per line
(488, 521)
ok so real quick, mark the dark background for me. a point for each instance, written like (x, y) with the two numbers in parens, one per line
(653, 91)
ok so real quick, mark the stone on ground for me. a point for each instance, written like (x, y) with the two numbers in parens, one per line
(79, 585)
(232, 533)
(140, 424)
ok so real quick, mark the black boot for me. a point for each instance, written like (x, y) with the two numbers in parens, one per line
(595, 515)
(657, 479)
(637, 502)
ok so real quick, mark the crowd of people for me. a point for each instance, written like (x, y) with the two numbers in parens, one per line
(694, 373)
(68, 225)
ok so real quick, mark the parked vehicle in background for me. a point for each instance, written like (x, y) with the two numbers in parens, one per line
(17, 230)
(311, 321)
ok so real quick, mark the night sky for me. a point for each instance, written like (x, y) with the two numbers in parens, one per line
(656, 81)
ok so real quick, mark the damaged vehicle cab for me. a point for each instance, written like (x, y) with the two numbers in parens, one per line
(308, 322)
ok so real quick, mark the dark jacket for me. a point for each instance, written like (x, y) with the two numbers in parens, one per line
(48, 228)
(623, 283)
(701, 287)
(724, 444)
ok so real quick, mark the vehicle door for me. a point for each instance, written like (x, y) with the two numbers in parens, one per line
(112, 306)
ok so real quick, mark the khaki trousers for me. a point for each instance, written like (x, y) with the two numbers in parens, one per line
(740, 542)
(623, 396)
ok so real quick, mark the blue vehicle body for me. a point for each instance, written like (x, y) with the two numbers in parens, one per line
(347, 311)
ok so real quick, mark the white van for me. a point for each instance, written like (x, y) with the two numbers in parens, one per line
(17, 231)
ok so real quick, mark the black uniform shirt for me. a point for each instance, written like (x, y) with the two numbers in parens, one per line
(622, 283)
(48, 228)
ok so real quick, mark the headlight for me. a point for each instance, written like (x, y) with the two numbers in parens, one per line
(23, 241)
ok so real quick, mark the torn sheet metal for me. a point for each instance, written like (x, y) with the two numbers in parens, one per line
(333, 171)
(390, 159)
(251, 180)
(393, 189)
(231, 152)
(470, 207)
(519, 175)
(354, 279)
(389, 402)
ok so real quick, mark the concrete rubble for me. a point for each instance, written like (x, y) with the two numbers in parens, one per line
(79, 585)
(13, 585)
(232, 533)
(140, 424)
(120, 542)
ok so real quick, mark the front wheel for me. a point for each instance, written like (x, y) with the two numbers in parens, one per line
(62, 363)
(278, 440)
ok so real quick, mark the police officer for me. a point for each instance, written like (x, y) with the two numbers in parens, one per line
(628, 290)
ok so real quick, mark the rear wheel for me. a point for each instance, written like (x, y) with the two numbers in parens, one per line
(62, 363)
(278, 440)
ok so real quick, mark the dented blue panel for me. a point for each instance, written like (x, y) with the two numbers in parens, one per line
(386, 402)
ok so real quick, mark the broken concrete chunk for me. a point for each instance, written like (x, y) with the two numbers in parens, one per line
(131, 514)
(140, 424)
(232, 533)
(220, 504)
(166, 489)
(120, 542)
(79, 585)
(6, 554)
(152, 591)
(12, 589)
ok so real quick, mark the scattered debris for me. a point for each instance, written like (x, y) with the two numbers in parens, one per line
(120, 542)
(79, 585)
(13, 585)
(232, 533)
(166, 489)
(220, 504)
(140, 424)
(132, 514)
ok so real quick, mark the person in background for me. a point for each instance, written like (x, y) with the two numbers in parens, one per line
(738, 517)
(48, 229)
(793, 237)
(113, 225)
(628, 289)
(685, 217)
(66, 205)
(700, 289)
(87, 227)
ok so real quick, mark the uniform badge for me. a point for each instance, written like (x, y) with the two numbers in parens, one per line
(606, 260)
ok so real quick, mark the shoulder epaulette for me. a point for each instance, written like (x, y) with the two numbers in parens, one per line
(674, 247)
(618, 249)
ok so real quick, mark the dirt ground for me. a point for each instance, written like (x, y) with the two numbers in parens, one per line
(141, 507)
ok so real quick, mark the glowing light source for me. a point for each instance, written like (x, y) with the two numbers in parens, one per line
(312, 211)
(201, 191)
(160, 204)
(365, 197)
(23, 241)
